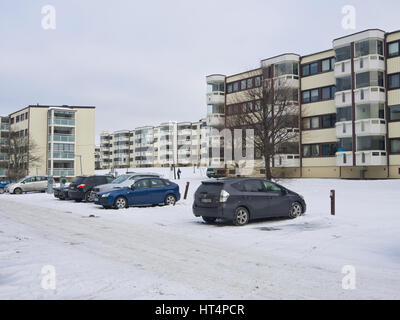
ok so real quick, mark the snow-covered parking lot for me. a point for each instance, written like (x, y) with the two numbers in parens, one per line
(167, 253)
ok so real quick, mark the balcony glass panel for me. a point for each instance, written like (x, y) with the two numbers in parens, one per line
(343, 53)
(371, 143)
(343, 83)
(370, 111)
(366, 47)
(369, 79)
(345, 144)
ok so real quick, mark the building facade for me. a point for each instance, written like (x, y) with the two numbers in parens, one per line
(167, 144)
(4, 132)
(60, 139)
(349, 107)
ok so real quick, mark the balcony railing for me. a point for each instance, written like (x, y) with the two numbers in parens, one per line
(344, 129)
(344, 158)
(367, 127)
(369, 94)
(62, 138)
(371, 158)
(62, 172)
(63, 155)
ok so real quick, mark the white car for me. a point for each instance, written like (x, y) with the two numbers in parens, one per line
(125, 180)
(28, 184)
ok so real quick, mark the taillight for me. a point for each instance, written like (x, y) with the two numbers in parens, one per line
(223, 197)
(81, 186)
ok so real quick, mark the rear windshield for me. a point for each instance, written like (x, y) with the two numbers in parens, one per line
(210, 187)
(79, 180)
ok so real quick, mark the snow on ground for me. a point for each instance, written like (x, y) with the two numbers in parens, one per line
(167, 253)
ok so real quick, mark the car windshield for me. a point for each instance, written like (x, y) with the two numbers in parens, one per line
(121, 179)
(20, 180)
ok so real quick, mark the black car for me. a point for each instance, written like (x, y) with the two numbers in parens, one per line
(81, 188)
(61, 193)
(242, 199)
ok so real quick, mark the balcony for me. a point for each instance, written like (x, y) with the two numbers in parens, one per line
(62, 138)
(343, 98)
(371, 158)
(342, 68)
(344, 129)
(216, 120)
(287, 160)
(369, 94)
(62, 173)
(344, 158)
(290, 81)
(368, 127)
(370, 62)
(63, 155)
(216, 97)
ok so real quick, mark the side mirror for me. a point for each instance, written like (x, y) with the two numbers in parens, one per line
(132, 187)
(284, 192)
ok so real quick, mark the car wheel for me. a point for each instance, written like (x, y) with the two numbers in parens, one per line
(241, 216)
(120, 203)
(295, 210)
(170, 200)
(18, 191)
(209, 219)
(89, 196)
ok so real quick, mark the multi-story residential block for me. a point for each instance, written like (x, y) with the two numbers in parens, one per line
(349, 100)
(4, 132)
(168, 144)
(62, 136)
(97, 158)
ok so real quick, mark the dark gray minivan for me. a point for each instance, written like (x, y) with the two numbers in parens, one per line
(241, 199)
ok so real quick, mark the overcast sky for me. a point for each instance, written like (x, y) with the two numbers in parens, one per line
(144, 62)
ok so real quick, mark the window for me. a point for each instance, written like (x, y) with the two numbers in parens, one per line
(370, 143)
(366, 47)
(249, 83)
(328, 121)
(306, 96)
(306, 123)
(395, 145)
(271, 187)
(17, 119)
(257, 105)
(394, 112)
(394, 81)
(157, 183)
(235, 86)
(393, 49)
(142, 184)
(329, 149)
(314, 68)
(343, 84)
(328, 65)
(328, 93)
(253, 186)
(369, 79)
(343, 53)
(314, 122)
(230, 88)
(306, 151)
(305, 70)
(314, 95)
(344, 114)
(243, 85)
(257, 81)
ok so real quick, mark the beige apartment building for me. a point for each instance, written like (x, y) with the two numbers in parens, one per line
(62, 138)
(349, 107)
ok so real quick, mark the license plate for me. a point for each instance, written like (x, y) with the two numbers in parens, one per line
(206, 200)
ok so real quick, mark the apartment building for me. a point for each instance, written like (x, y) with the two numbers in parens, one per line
(60, 138)
(167, 144)
(4, 132)
(349, 107)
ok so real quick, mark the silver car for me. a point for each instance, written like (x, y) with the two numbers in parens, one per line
(29, 184)
(125, 180)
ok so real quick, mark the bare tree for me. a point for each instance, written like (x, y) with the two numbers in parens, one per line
(22, 153)
(272, 111)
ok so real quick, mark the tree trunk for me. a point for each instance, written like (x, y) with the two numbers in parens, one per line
(268, 173)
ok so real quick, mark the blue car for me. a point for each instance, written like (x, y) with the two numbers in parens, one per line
(3, 183)
(144, 192)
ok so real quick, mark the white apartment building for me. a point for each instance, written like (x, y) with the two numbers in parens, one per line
(170, 143)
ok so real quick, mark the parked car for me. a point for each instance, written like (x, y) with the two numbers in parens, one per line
(81, 188)
(125, 180)
(3, 184)
(144, 192)
(213, 173)
(61, 193)
(28, 184)
(242, 199)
